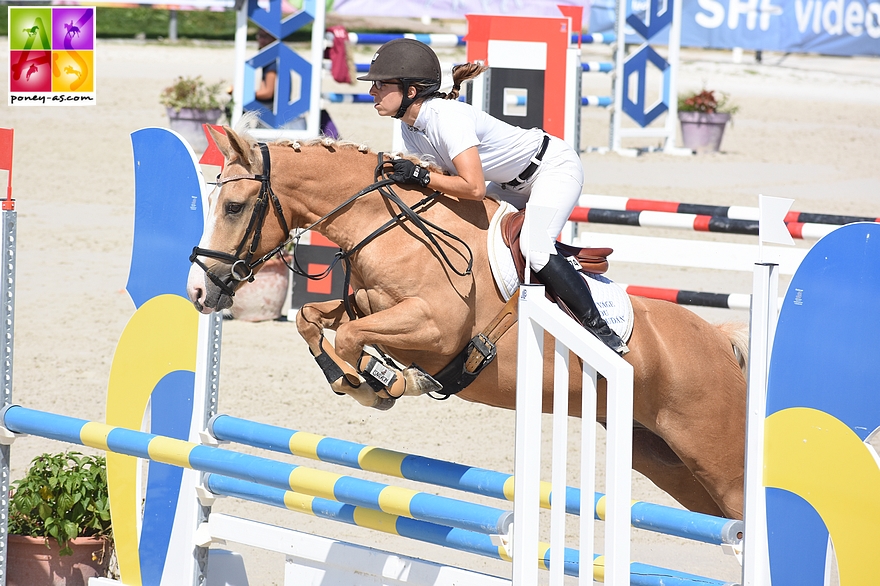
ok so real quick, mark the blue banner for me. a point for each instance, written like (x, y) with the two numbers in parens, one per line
(829, 27)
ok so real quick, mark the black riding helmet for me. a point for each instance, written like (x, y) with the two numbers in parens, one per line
(410, 61)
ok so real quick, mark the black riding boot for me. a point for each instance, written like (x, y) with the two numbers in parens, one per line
(565, 281)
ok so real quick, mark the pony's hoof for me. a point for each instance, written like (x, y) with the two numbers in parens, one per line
(384, 404)
(419, 382)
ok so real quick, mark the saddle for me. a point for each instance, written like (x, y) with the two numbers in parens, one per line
(592, 260)
(480, 351)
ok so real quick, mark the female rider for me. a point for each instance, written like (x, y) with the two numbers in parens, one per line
(472, 148)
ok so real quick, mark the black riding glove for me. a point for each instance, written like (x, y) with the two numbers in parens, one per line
(408, 172)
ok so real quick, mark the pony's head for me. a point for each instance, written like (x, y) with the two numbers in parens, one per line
(244, 227)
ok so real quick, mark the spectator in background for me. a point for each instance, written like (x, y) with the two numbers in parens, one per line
(265, 92)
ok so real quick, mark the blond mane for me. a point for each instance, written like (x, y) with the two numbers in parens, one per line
(250, 120)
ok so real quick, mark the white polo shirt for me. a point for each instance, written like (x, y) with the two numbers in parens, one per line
(446, 128)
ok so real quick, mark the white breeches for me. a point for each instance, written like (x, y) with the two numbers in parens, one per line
(557, 183)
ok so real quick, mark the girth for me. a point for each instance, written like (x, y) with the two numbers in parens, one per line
(478, 354)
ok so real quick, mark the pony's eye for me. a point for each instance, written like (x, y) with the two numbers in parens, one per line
(233, 207)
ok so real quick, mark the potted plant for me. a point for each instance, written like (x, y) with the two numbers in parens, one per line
(703, 116)
(263, 299)
(191, 102)
(59, 522)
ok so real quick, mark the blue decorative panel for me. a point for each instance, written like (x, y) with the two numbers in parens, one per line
(660, 16)
(286, 61)
(826, 376)
(637, 63)
(270, 20)
(168, 207)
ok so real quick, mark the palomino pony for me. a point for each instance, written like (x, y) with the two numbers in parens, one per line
(416, 300)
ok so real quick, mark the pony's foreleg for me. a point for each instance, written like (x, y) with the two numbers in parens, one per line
(311, 321)
(409, 324)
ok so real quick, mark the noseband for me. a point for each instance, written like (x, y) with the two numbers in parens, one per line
(242, 268)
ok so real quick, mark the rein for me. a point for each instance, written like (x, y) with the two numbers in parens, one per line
(383, 186)
(242, 269)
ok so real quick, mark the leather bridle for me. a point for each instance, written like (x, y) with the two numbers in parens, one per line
(242, 268)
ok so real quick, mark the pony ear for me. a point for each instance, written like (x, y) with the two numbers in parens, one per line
(222, 141)
(232, 146)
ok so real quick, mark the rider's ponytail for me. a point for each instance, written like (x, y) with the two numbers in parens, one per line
(462, 73)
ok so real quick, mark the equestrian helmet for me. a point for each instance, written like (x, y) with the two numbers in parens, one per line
(404, 59)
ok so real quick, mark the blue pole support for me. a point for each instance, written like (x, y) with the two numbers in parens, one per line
(337, 98)
(601, 101)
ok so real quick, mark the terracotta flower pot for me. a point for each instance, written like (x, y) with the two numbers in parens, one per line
(702, 132)
(30, 563)
(188, 123)
(264, 298)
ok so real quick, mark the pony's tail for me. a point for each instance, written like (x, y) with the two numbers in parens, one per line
(738, 334)
(462, 73)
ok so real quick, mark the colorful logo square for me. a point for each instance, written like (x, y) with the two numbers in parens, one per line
(72, 71)
(30, 28)
(73, 29)
(51, 56)
(31, 71)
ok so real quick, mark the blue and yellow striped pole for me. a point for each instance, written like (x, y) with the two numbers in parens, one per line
(367, 504)
(458, 539)
(647, 516)
(346, 489)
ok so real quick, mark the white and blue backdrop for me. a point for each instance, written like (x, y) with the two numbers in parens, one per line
(830, 27)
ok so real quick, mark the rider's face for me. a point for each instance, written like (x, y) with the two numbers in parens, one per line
(387, 96)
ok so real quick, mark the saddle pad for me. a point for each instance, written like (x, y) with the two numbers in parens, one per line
(613, 302)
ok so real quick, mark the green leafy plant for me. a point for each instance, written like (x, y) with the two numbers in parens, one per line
(707, 102)
(62, 496)
(195, 93)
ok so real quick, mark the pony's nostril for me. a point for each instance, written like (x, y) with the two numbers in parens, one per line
(197, 294)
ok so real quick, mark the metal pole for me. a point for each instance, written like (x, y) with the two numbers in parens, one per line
(617, 79)
(756, 563)
(172, 26)
(241, 21)
(7, 292)
(527, 451)
(313, 122)
(207, 383)
(672, 82)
